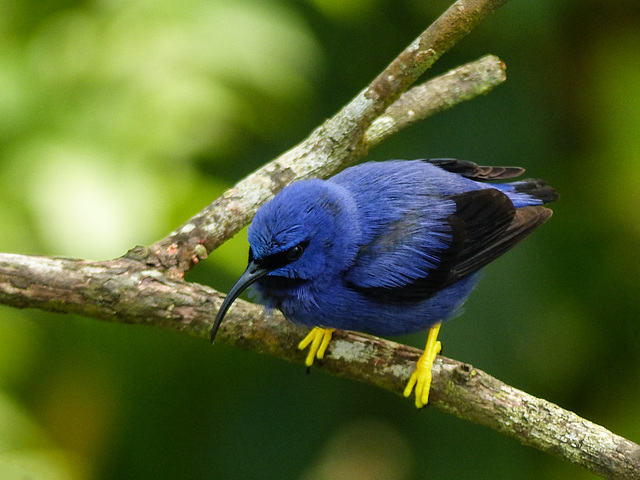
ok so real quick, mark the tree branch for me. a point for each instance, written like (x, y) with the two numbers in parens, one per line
(122, 290)
(436, 95)
(333, 146)
(146, 287)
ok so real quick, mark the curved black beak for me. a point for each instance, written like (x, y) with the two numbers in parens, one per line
(253, 273)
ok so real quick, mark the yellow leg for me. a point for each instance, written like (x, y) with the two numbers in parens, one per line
(421, 377)
(319, 339)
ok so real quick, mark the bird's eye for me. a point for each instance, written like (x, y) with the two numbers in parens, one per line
(294, 253)
(282, 258)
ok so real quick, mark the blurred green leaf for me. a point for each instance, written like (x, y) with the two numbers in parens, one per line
(42, 465)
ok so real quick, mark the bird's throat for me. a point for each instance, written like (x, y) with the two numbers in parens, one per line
(273, 282)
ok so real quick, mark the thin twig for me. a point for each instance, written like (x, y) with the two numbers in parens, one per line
(436, 95)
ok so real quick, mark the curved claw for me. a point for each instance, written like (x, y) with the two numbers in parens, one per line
(421, 377)
(319, 339)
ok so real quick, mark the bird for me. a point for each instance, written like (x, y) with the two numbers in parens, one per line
(386, 248)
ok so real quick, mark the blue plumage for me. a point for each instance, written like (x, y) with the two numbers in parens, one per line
(387, 248)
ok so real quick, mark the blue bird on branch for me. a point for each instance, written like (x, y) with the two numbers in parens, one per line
(386, 248)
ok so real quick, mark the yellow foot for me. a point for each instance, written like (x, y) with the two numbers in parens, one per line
(319, 339)
(421, 377)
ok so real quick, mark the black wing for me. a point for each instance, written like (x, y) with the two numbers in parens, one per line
(484, 226)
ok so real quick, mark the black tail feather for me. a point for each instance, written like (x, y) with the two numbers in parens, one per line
(537, 188)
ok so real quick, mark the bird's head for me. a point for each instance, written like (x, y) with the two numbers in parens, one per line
(307, 234)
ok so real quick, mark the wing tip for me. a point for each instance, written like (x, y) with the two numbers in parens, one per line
(537, 188)
(474, 171)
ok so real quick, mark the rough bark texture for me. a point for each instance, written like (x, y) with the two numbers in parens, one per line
(125, 291)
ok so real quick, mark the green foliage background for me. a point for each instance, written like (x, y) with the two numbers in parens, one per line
(119, 119)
